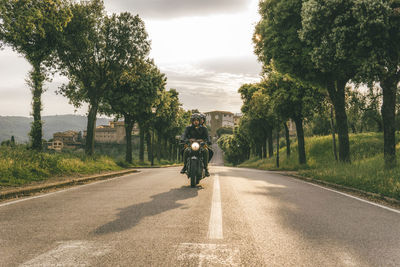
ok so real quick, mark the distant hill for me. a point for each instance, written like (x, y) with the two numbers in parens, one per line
(20, 126)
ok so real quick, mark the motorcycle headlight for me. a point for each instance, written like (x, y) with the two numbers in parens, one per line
(195, 146)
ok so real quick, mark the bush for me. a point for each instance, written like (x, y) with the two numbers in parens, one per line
(224, 130)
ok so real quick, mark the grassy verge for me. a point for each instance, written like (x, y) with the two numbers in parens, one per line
(366, 172)
(146, 163)
(20, 166)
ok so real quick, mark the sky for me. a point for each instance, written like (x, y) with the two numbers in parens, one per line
(203, 46)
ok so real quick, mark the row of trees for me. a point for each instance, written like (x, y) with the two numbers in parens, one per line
(313, 50)
(106, 59)
(267, 107)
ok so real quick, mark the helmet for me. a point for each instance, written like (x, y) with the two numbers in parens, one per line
(195, 116)
(203, 116)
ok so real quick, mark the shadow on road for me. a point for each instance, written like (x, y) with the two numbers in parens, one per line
(130, 216)
(320, 218)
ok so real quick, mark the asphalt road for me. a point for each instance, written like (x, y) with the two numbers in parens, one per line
(237, 217)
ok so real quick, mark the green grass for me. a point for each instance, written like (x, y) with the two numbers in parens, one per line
(19, 166)
(366, 172)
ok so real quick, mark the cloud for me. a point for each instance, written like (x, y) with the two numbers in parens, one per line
(207, 90)
(165, 9)
(236, 65)
(209, 101)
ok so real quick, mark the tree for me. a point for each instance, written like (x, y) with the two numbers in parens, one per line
(167, 111)
(12, 141)
(81, 59)
(378, 23)
(31, 27)
(236, 146)
(291, 99)
(95, 50)
(259, 118)
(133, 82)
(277, 41)
(224, 130)
(133, 94)
(263, 121)
(329, 28)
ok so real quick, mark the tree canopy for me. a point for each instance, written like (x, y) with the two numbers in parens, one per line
(32, 28)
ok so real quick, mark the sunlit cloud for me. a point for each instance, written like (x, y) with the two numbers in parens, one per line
(164, 9)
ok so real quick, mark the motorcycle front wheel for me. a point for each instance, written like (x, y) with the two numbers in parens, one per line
(193, 173)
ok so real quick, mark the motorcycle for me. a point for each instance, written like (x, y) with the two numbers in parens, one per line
(195, 165)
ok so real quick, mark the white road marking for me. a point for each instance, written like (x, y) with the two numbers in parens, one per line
(357, 198)
(70, 253)
(64, 190)
(208, 254)
(215, 224)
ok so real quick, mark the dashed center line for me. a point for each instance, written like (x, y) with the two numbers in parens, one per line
(215, 224)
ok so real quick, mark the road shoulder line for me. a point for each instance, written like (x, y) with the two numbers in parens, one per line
(29, 190)
(354, 197)
(358, 194)
(65, 190)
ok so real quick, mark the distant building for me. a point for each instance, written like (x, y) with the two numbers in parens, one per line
(68, 139)
(112, 133)
(219, 119)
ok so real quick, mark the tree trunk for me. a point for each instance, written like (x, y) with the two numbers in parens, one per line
(36, 82)
(264, 149)
(259, 151)
(148, 143)
(277, 147)
(300, 140)
(270, 143)
(287, 139)
(128, 133)
(175, 152)
(159, 140)
(90, 130)
(165, 154)
(333, 135)
(336, 92)
(172, 151)
(389, 88)
(141, 142)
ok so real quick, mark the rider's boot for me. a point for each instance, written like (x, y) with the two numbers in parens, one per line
(206, 173)
(183, 169)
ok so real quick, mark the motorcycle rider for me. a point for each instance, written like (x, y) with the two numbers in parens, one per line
(210, 151)
(195, 132)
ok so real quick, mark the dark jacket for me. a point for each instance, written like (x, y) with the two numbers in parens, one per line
(191, 132)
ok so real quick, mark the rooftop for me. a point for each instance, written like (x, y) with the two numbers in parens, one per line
(217, 111)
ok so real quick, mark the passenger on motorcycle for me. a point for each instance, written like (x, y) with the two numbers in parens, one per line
(203, 123)
(195, 132)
